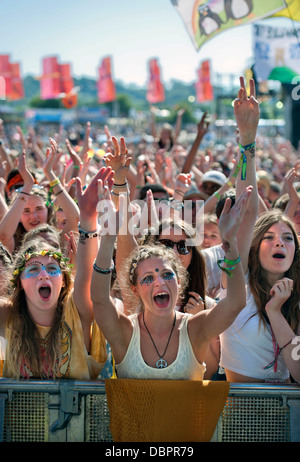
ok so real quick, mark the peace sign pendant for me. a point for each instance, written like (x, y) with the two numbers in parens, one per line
(161, 363)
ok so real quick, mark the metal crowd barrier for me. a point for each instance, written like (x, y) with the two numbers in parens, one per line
(77, 411)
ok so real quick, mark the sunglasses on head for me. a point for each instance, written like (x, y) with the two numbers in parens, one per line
(181, 246)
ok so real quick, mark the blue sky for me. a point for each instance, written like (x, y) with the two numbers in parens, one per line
(131, 31)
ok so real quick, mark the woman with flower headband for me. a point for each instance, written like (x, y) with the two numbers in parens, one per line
(157, 341)
(32, 206)
(47, 322)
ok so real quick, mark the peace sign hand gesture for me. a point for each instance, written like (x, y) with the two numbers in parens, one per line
(246, 112)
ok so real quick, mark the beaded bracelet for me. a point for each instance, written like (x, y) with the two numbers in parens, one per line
(228, 269)
(86, 234)
(249, 147)
(102, 270)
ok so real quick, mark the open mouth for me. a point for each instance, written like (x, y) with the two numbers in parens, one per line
(162, 299)
(279, 256)
(45, 292)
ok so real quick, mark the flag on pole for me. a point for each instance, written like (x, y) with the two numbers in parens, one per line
(105, 84)
(17, 89)
(291, 11)
(205, 19)
(50, 79)
(13, 83)
(204, 89)
(156, 91)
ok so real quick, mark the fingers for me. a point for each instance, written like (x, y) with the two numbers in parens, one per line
(252, 88)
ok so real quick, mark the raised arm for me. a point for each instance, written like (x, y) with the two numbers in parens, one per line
(10, 221)
(211, 323)
(202, 128)
(63, 198)
(246, 112)
(88, 244)
(114, 324)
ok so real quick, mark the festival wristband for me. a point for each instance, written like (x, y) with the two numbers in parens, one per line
(249, 147)
(228, 269)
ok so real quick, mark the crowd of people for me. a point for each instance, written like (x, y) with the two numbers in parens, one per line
(160, 260)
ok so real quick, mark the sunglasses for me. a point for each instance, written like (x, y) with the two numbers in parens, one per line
(181, 246)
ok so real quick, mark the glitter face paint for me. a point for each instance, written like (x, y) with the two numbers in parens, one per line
(35, 268)
(147, 280)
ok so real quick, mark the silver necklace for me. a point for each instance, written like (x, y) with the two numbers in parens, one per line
(161, 363)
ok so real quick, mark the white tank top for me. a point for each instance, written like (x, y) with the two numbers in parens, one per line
(185, 366)
(247, 346)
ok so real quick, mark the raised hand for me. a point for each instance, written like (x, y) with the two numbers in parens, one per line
(246, 112)
(231, 218)
(88, 199)
(118, 160)
(24, 172)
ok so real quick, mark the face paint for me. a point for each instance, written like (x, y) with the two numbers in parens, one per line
(35, 268)
(168, 276)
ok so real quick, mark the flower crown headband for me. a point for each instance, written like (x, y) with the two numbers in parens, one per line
(28, 255)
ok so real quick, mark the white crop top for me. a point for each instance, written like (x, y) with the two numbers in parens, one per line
(247, 346)
(185, 366)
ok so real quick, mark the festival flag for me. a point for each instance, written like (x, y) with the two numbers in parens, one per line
(66, 79)
(205, 19)
(276, 53)
(50, 80)
(291, 11)
(105, 84)
(5, 73)
(156, 91)
(204, 89)
(17, 89)
(10, 72)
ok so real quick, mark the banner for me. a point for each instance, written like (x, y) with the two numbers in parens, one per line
(156, 91)
(50, 80)
(17, 89)
(13, 83)
(66, 79)
(204, 89)
(105, 85)
(291, 11)
(5, 74)
(205, 19)
(276, 52)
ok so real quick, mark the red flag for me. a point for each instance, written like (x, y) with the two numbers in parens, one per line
(156, 92)
(204, 89)
(50, 80)
(10, 72)
(106, 86)
(66, 80)
(5, 73)
(17, 89)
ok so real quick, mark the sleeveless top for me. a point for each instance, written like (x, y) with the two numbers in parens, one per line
(185, 366)
(247, 346)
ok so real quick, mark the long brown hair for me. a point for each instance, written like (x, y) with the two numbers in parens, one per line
(25, 341)
(260, 288)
